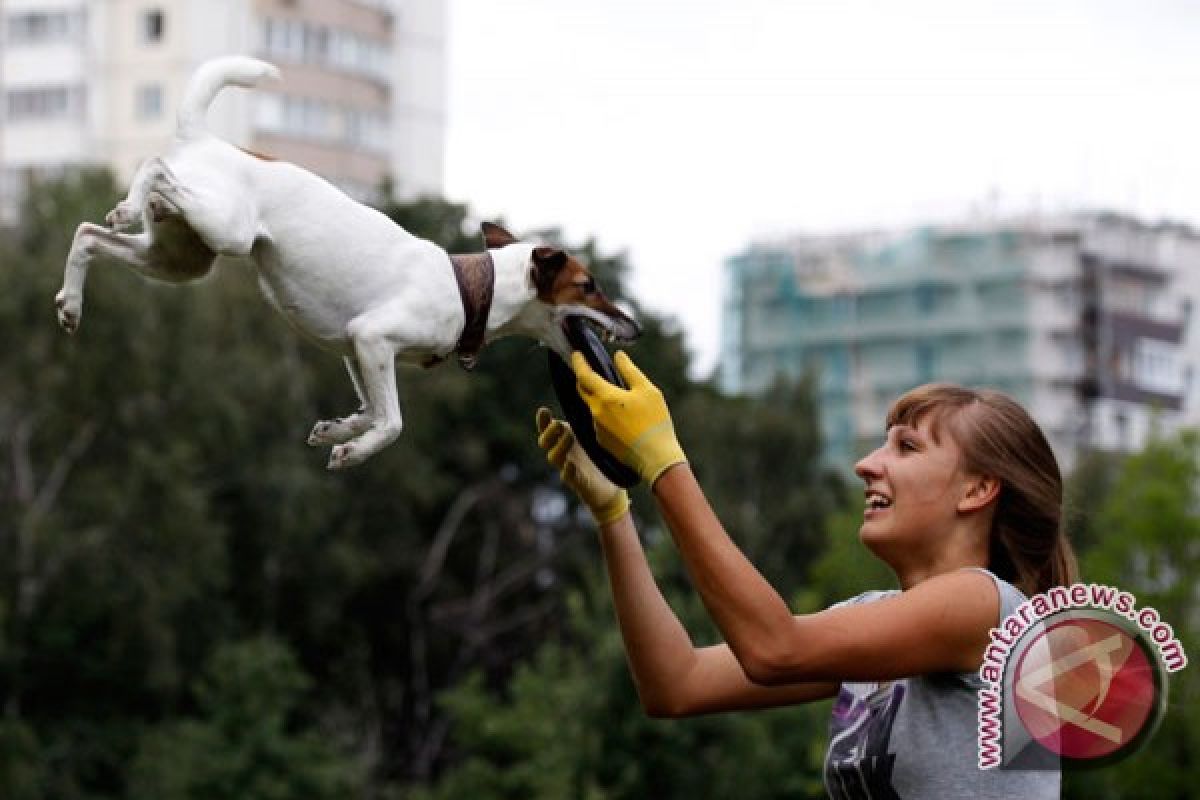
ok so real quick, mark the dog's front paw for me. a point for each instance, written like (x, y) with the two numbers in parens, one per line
(341, 457)
(337, 431)
(325, 432)
(70, 310)
(123, 217)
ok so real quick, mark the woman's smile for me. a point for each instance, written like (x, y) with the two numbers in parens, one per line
(877, 503)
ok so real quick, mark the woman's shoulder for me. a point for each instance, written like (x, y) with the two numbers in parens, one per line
(1010, 596)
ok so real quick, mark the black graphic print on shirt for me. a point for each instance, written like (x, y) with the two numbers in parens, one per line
(859, 764)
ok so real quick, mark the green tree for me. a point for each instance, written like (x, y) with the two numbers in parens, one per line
(1146, 532)
(1093, 477)
(243, 744)
(757, 459)
(21, 772)
(845, 567)
(569, 725)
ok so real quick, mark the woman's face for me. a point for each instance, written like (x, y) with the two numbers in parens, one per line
(913, 487)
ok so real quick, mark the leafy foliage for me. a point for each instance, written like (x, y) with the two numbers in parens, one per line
(1147, 534)
(570, 725)
(241, 746)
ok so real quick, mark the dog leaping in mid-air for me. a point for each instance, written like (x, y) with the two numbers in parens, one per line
(342, 273)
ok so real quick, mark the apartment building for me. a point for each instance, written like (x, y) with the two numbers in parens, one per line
(1087, 320)
(98, 81)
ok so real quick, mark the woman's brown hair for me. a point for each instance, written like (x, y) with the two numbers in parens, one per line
(1028, 545)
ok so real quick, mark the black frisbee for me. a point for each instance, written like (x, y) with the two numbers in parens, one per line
(583, 339)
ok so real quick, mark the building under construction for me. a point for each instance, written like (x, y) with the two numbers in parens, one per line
(1087, 320)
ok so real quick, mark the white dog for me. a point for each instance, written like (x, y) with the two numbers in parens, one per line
(339, 271)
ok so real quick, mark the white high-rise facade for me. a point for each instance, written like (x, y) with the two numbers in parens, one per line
(98, 82)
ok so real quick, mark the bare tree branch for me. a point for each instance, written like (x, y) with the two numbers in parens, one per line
(36, 503)
(52, 487)
(435, 558)
(22, 461)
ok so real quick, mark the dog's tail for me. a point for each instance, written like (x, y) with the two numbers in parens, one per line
(210, 78)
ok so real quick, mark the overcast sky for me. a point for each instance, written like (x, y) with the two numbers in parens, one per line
(678, 131)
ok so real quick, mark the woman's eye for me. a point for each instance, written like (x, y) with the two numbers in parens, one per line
(907, 444)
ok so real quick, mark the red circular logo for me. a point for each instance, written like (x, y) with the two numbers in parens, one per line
(1087, 688)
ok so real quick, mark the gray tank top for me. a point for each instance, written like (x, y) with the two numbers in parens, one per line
(918, 737)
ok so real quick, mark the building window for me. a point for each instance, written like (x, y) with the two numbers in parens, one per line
(154, 26)
(45, 103)
(926, 298)
(1121, 423)
(44, 27)
(149, 103)
(319, 120)
(310, 43)
(1156, 366)
(926, 362)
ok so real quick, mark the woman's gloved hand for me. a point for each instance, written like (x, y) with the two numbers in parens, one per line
(633, 424)
(607, 501)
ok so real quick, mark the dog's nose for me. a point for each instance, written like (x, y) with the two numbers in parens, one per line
(628, 328)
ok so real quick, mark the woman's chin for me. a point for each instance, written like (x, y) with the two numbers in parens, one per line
(871, 529)
(876, 538)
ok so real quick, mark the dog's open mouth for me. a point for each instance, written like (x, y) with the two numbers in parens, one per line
(607, 329)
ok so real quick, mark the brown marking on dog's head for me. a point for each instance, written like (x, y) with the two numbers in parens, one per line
(256, 154)
(495, 237)
(562, 280)
(547, 272)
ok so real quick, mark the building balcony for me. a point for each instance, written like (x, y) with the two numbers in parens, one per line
(1125, 326)
(1092, 389)
(790, 330)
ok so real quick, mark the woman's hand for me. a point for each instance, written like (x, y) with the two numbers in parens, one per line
(606, 500)
(633, 424)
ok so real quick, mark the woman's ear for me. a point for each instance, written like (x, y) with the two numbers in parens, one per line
(979, 492)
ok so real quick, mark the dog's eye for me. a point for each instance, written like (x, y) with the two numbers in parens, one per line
(588, 286)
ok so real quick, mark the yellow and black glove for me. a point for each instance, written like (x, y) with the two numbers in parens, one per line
(633, 424)
(604, 499)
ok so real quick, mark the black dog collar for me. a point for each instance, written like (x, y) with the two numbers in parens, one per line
(476, 277)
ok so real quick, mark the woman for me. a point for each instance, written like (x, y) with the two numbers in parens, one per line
(963, 501)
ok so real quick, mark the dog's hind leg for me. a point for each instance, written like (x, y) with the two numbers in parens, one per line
(128, 213)
(343, 429)
(219, 212)
(176, 257)
(92, 241)
(376, 357)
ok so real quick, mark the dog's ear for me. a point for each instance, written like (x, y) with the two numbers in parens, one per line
(547, 263)
(494, 236)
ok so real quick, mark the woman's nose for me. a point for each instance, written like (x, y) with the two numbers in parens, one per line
(868, 466)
